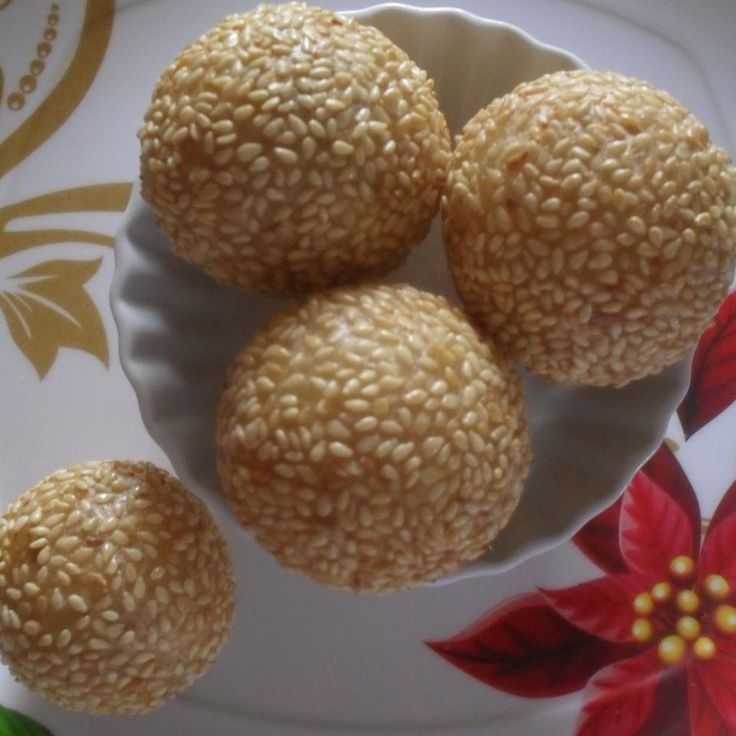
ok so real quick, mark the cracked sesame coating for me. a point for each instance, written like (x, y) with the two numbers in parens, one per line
(116, 588)
(290, 149)
(370, 438)
(590, 224)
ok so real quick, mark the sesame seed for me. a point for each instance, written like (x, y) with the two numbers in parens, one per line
(120, 538)
(63, 638)
(77, 603)
(262, 163)
(343, 148)
(32, 628)
(248, 151)
(338, 449)
(285, 155)
(243, 113)
(127, 638)
(31, 589)
(139, 589)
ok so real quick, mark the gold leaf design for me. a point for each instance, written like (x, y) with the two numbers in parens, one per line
(47, 308)
(64, 98)
(111, 197)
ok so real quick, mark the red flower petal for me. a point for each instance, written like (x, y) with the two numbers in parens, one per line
(665, 470)
(619, 700)
(669, 714)
(602, 607)
(726, 507)
(524, 647)
(654, 528)
(719, 551)
(713, 380)
(704, 718)
(713, 684)
(598, 539)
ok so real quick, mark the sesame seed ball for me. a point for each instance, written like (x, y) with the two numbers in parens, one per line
(370, 438)
(290, 148)
(116, 589)
(590, 224)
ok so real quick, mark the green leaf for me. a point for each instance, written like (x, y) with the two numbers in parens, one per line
(13, 723)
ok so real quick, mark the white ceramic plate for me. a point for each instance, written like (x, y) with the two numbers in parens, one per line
(303, 660)
(179, 330)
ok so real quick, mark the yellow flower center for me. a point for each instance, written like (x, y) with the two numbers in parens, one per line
(671, 649)
(661, 592)
(642, 630)
(725, 619)
(694, 613)
(643, 604)
(716, 587)
(682, 567)
(688, 601)
(688, 628)
(704, 648)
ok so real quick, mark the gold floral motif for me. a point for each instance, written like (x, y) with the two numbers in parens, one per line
(95, 198)
(68, 93)
(46, 306)
(27, 83)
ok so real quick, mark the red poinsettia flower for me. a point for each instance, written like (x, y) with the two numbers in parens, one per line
(653, 641)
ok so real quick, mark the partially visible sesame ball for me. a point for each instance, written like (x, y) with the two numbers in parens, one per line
(371, 439)
(290, 148)
(590, 224)
(116, 587)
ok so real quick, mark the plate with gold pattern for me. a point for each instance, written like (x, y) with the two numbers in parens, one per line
(624, 601)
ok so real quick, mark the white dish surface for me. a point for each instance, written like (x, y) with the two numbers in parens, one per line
(305, 660)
